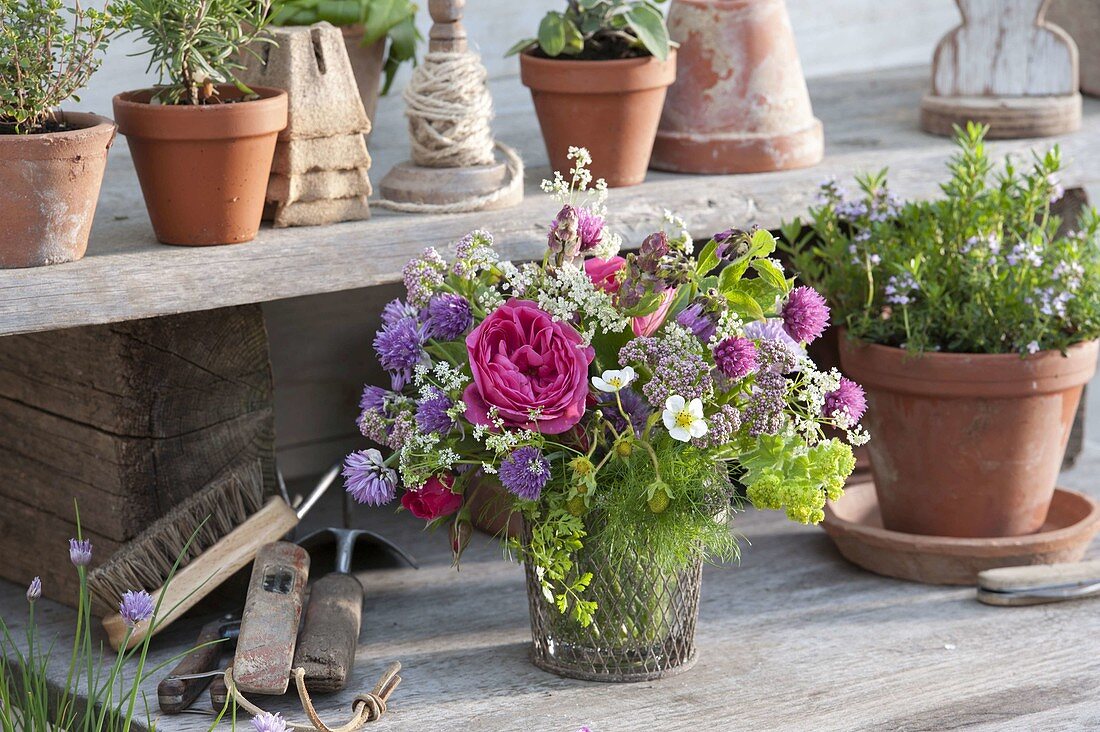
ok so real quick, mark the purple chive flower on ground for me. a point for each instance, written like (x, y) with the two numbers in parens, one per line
(589, 228)
(736, 357)
(397, 310)
(399, 348)
(805, 314)
(431, 412)
(136, 607)
(34, 590)
(367, 478)
(268, 722)
(848, 399)
(696, 319)
(525, 472)
(80, 552)
(449, 316)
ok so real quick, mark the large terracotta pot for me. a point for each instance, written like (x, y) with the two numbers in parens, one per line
(203, 169)
(967, 445)
(610, 107)
(739, 104)
(366, 64)
(49, 187)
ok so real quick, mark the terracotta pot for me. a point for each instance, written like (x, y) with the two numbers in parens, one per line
(967, 445)
(366, 64)
(739, 104)
(203, 169)
(1082, 21)
(49, 187)
(491, 511)
(610, 107)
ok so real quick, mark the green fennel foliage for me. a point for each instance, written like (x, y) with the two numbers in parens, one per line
(983, 269)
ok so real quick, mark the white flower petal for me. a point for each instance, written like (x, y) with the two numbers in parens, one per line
(679, 433)
(602, 385)
(698, 428)
(695, 408)
(675, 403)
(669, 418)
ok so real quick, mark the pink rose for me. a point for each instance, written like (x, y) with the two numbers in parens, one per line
(604, 272)
(433, 499)
(523, 361)
(647, 325)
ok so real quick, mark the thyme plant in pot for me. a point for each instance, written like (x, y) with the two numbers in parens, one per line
(202, 142)
(973, 326)
(598, 73)
(51, 161)
(369, 28)
(612, 398)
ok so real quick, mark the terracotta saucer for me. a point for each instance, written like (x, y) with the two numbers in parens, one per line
(855, 527)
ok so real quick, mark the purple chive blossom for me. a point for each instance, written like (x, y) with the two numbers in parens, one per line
(367, 478)
(399, 348)
(80, 552)
(136, 607)
(268, 722)
(396, 311)
(696, 319)
(847, 403)
(805, 314)
(525, 472)
(431, 413)
(589, 228)
(634, 405)
(449, 316)
(34, 590)
(374, 398)
(423, 276)
(736, 357)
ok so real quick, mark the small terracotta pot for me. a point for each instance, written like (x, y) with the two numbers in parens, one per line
(490, 507)
(203, 169)
(610, 107)
(366, 64)
(967, 445)
(49, 187)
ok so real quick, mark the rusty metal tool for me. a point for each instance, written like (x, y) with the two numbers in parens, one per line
(186, 681)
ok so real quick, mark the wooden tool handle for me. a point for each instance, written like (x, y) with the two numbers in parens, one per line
(208, 571)
(269, 625)
(330, 632)
(219, 694)
(1009, 579)
(175, 694)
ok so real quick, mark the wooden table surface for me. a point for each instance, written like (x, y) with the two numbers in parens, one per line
(793, 639)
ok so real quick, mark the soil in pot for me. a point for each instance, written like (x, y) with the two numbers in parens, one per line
(49, 187)
(610, 107)
(203, 169)
(967, 445)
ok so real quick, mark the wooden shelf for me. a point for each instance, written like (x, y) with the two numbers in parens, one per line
(870, 123)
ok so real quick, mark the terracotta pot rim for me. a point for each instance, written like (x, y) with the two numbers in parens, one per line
(599, 77)
(252, 118)
(94, 122)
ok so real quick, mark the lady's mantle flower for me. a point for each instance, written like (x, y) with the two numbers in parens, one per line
(846, 404)
(684, 419)
(400, 349)
(805, 314)
(80, 552)
(525, 472)
(432, 412)
(613, 380)
(268, 722)
(34, 591)
(736, 357)
(449, 316)
(136, 607)
(367, 478)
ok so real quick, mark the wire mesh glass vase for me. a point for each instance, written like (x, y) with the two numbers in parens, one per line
(642, 629)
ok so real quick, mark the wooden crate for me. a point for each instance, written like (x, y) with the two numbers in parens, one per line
(126, 419)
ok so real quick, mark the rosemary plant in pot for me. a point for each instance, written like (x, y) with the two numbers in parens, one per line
(598, 73)
(202, 142)
(972, 323)
(614, 399)
(370, 28)
(51, 161)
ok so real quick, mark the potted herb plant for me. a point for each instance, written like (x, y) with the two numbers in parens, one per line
(51, 161)
(598, 74)
(368, 25)
(612, 398)
(202, 142)
(973, 325)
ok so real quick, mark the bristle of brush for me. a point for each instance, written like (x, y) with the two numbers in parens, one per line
(208, 515)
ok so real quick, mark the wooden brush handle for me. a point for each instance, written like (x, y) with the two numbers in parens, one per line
(208, 571)
(330, 632)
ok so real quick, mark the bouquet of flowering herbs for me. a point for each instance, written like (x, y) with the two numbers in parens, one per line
(615, 398)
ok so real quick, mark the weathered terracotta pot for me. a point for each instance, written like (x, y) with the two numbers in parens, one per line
(49, 187)
(203, 169)
(739, 104)
(610, 107)
(967, 445)
(1081, 19)
(491, 511)
(366, 64)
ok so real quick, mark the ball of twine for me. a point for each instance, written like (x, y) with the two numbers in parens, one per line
(449, 109)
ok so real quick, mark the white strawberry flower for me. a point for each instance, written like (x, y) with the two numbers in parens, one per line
(612, 380)
(684, 419)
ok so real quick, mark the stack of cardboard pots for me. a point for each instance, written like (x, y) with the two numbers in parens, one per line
(319, 175)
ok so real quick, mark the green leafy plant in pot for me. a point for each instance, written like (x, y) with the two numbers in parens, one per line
(51, 161)
(598, 73)
(202, 142)
(972, 324)
(380, 35)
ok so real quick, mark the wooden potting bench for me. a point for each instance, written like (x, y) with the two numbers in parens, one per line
(794, 638)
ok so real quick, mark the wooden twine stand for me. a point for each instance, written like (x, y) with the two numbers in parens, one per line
(442, 189)
(1007, 67)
